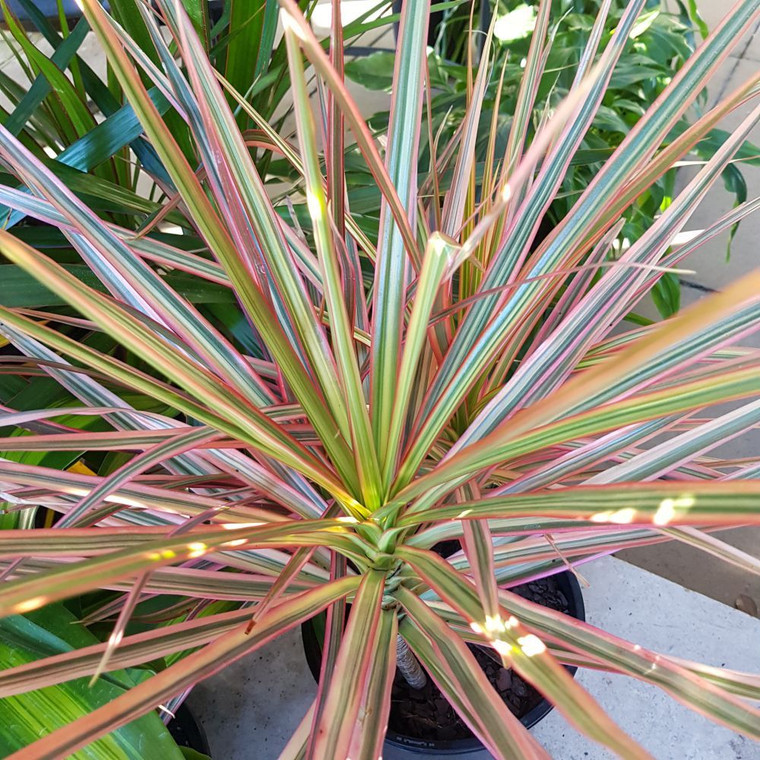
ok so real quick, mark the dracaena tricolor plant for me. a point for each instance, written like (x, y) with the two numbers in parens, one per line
(373, 392)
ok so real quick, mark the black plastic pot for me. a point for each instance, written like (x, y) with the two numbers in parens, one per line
(312, 645)
(187, 732)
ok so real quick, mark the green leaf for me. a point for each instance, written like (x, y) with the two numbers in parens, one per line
(735, 183)
(191, 754)
(691, 11)
(246, 44)
(20, 289)
(666, 294)
(664, 503)
(393, 258)
(374, 71)
(342, 329)
(524, 650)
(358, 654)
(104, 140)
(460, 677)
(41, 87)
(26, 716)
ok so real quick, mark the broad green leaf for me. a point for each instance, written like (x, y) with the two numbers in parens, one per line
(374, 71)
(666, 295)
(246, 46)
(25, 717)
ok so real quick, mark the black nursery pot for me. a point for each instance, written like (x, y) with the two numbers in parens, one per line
(566, 584)
(187, 731)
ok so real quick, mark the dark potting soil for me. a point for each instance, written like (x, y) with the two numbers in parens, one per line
(426, 714)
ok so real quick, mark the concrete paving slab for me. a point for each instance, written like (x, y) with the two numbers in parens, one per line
(702, 572)
(751, 50)
(672, 620)
(250, 710)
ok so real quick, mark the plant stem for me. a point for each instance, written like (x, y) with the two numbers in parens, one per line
(408, 665)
